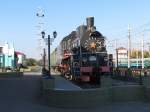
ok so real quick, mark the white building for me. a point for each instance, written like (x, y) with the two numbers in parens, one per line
(7, 55)
(122, 56)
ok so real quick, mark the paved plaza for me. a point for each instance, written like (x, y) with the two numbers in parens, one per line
(24, 95)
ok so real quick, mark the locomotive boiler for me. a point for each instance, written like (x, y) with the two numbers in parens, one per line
(83, 54)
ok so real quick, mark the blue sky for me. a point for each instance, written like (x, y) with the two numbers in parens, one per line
(18, 19)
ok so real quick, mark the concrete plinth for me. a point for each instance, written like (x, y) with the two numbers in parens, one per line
(107, 94)
(106, 81)
(48, 83)
(128, 93)
(146, 83)
(81, 98)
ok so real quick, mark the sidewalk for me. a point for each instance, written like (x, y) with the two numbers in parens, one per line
(63, 84)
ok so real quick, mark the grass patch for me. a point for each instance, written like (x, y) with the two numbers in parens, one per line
(31, 69)
(11, 74)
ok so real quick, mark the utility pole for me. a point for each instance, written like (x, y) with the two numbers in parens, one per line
(116, 60)
(40, 27)
(148, 47)
(44, 60)
(137, 58)
(142, 45)
(129, 45)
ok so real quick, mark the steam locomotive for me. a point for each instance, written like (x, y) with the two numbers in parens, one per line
(82, 54)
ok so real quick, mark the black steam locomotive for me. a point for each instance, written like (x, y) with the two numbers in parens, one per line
(83, 55)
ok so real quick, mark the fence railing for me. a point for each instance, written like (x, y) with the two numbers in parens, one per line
(131, 75)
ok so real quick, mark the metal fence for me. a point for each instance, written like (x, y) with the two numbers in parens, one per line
(131, 75)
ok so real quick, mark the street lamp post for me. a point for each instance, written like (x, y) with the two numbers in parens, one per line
(49, 43)
(49, 63)
(44, 54)
(44, 57)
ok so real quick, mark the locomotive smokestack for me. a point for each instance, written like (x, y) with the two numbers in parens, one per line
(90, 22)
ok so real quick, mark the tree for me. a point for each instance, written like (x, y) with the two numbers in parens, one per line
(40, 62)
(146, 54)
(31, 62)
(133, 54)
(136, 53)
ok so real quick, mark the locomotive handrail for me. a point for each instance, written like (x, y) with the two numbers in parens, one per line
(76, 64)
(93, 53)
